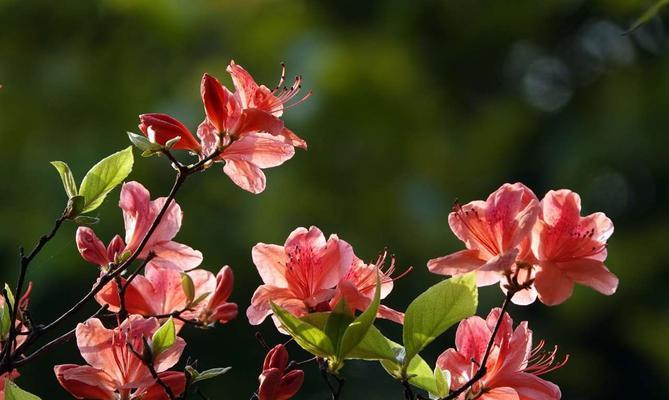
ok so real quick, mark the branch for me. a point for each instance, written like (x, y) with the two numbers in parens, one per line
(154, 373)
(335, 392)
(23, 270)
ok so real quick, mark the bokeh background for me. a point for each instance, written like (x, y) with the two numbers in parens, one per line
(416, 104)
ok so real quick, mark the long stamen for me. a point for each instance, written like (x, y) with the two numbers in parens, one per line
(542, 362)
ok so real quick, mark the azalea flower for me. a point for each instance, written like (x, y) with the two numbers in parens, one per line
(301, 275)
(275, 382)
(513, 367)
(570, 248)
(245, 126)
(247, 123)
(160, 292)
(496, 233)
(139, 213)
(114, 371)
(358, 286)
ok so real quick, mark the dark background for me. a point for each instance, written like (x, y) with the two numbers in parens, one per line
(415, 104)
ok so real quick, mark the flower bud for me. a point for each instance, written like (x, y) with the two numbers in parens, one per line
(166, 128)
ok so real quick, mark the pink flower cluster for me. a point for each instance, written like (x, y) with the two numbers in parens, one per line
(309, 274)
(244, 128)
(537, 248)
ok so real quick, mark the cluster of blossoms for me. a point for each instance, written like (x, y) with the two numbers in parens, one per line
(540, 248)
(315, 288)
(311, 274)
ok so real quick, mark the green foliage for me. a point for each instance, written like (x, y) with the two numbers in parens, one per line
(105, 176)
(188, 287)
(442, 380)
(436, 310)
(336, 335)
(163, 338)
(13, 392)
(309, 337)
(197, 376)
(147, 147)
(417, 372)
(5, 314)
(66, 176)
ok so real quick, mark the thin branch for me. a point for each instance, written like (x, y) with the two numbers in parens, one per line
(335, 392)
(23, 271)
(154, 373)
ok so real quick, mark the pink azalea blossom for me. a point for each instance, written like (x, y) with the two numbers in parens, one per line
(160, 292)
(276, 383)
(299, 276)
(570, 248)
(496, 233)
(513, 367)
(358, 285)
(114, 371)
(139, 212)
(248, 120)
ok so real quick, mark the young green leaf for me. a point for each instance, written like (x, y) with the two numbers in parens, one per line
(163, 338)
(436, 310)
(442, 381)
(208, 374)
(10, 295)
(142, 142)
(105, 176)
(418, 372)
(337, 323)
(13, 392)
(5, 322)
(66, 176)
(374, 346)
(188, 287)
(357, 330)
(86, 220)
(309, 337)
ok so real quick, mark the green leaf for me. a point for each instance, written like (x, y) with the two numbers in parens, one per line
(337, 323)
(649, 14)
(10, 295)
(105, 176)
(188, 287)
(5, 322)
(357, 330)
(163, 338)
(418, 372)
(66, 176)
(374, 346)
(13, 392)
(208, 374)
(436, 310)
(309, 337)
(442, 380)
(143, 143)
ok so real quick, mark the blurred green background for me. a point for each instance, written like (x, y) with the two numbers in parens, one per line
(416, 103)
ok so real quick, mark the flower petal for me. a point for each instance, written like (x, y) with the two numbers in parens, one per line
(270, 260)
(85, 382)
(245, 175)
(262, 150)
(553, 286)
(90, 247)
(167, 128)
(173, 255)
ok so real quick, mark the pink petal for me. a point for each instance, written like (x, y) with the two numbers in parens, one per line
(90, 247)
(459, 367)
(215, 98)
(244, 83)
(503, 393)
(262, 150)
(134, 202)
(591, 273)
(176, 256)
(531, 387)
(472, 337)
(270, 260)
(84, 382)
(208, 137)
(254, 120)
(260, 306)
(175, 380)
(457, 263)
(169, 357)
(245, 175)
(553, 286)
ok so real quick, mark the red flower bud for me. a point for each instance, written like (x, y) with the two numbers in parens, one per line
(166, 128)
